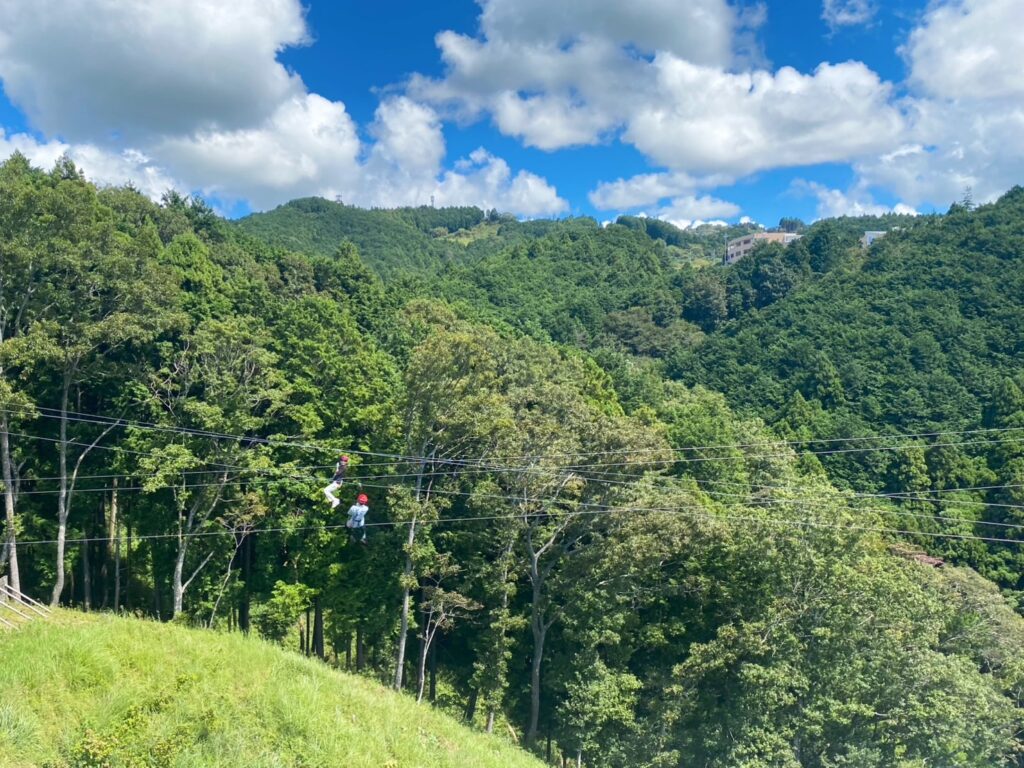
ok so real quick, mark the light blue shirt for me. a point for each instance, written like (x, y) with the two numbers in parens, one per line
(357, 515)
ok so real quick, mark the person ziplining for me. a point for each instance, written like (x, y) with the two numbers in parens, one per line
(337, 481)
(357, 518)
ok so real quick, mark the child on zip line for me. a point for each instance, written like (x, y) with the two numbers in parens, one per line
(357, 518)
(336, 481)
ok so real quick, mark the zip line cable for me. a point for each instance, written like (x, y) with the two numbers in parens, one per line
(749, 500)
(150, 426)
(478, 466)
(585, 509)
(761, 504)
(484, 468)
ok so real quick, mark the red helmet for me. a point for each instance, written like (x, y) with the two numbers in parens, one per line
(362, 498)
(344, 459)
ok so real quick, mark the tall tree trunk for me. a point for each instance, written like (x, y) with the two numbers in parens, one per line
(318, 629)
(404, 623)
(86, 575)
(62, 493)
(360, 648)
(421, 664)
(9, 519)
(117, 565)
(128, 567)
(309, 632)
(470, 712)
(112, 526)
(421, 668)
(67, 481)
(177, 585)
(433, 671)
(186, 527)
(244, 601)
(539, 631)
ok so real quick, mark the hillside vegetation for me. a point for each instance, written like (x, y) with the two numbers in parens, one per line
(923, 333)
(572, 533)
(82, 691)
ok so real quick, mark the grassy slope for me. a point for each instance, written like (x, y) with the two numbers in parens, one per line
(98, 690)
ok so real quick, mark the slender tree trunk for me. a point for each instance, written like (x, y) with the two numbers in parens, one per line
(86, 576)
(348, 650)
(309, 632)
(490, 720)
(318, 629)
(62, 494)
(117, 565)
(404, 624)
(421, 671)
(433, 671)
(421, 664)
(9, 519)
(360, 648)
(470, 712)
(243, 606)
(128, 567)
(112, 525)
(177, 586)
(157, 579)
(539, 634)
(186, 527)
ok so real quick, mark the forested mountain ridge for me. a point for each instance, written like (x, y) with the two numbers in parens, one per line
(562, 544)
(922, 333)
(390, 240)
(794, 336)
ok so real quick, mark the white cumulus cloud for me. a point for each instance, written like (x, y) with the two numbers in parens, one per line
(712, 121)
(690, 210)
(642, 189)
(191, 94)
(86, 69)
(965, 125)
(668, 78)
(846, 13)
(102, 166)
(856, 201)
(969, 49)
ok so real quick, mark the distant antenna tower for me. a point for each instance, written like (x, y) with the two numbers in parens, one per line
(431, 201)
(338, 200)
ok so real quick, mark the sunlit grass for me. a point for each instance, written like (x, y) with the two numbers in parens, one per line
(99, 690)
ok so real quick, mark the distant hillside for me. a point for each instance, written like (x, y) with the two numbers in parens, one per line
(915, 333)
(388, 240)
(103, 691)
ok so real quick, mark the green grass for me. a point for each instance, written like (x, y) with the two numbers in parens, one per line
(104, 691)
(479, 232)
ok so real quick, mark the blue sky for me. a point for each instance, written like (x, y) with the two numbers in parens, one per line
(690, 111)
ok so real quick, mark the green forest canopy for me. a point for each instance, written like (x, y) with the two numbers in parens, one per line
(583, 526)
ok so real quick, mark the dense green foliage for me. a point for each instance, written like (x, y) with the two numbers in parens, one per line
(389, 240)
(920, 334)
(565, 544)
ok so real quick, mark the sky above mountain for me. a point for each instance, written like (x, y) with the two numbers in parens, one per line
(689, 110)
